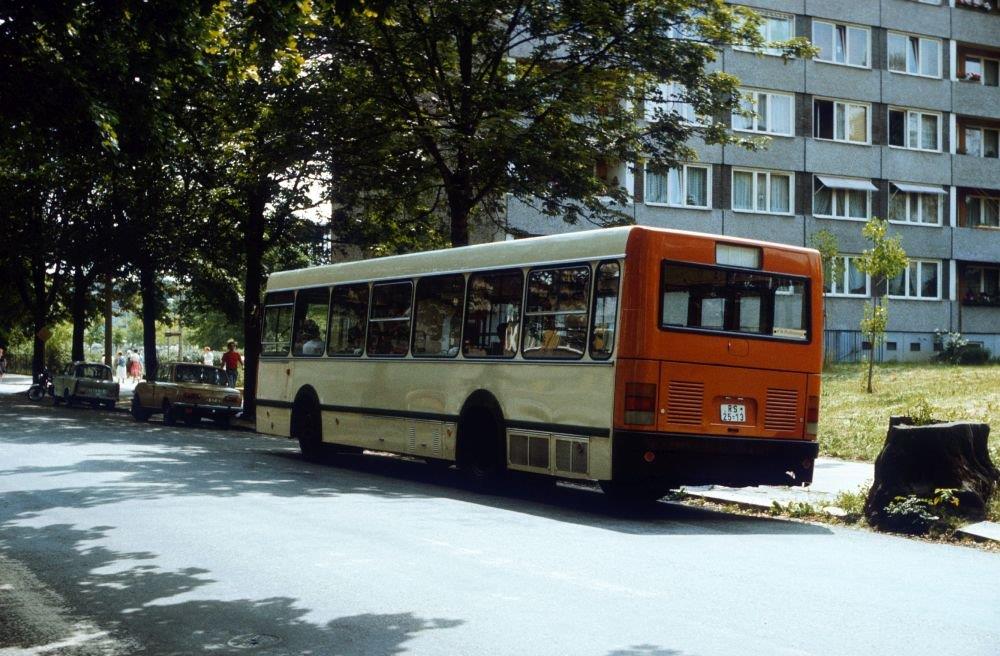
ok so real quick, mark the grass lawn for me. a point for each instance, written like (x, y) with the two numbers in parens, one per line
(853, 424)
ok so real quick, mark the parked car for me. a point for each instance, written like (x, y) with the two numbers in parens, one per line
(85, 381)
(182, 390)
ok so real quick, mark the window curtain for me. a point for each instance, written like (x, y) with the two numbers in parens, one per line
(855, 278)
(780, 193)
(656, 187)
(822, 200)
(697, 186)
(857, 204)
(742, 190)
(897, 206)
(929, 129)
(781, 115)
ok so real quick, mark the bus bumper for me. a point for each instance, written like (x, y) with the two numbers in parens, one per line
(671, 460)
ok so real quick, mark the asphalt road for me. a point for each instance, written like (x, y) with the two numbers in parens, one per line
(164, 541)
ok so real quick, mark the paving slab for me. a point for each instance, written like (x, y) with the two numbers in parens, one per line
(985, 530)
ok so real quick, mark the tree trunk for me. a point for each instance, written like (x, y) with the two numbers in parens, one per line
(78, 313)
(253, 247)
(37, 348)
(459, 209)
(919, 461)
(147, 289)
(108, 326)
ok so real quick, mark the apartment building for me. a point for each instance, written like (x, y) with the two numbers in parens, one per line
(898, 116)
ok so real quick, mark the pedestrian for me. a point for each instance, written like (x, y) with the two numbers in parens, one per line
(120, 368)
(208, 358)
(231, 361)
(3, 363)
(133, 366)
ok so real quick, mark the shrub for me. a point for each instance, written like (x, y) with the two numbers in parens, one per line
(973, 354)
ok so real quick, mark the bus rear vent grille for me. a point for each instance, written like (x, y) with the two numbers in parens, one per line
(571, 456)
(780, 409)
(684, 402)
(411, 439)
(529, 450)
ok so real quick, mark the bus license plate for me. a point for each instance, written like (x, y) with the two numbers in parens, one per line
(735, 413)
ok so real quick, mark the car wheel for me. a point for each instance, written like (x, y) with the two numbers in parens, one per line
(192, 419)
(56, 399)
(223, 422)
(169, 418)
(109, 405)
(139, 412)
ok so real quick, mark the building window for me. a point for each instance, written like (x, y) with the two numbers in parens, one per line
(983, 70)
(842, 198)
(685, 186)
(914, 130)
(842, 277)
(841, 121)
(981, 142)
(766, 192)
(920, 280)
(914, 55)
(982, 211)
(771, 113)
(842, 44)
(912, 203)
(670, 99)
(982, 286)
(890, 346)
(774, 27)
(914, 346)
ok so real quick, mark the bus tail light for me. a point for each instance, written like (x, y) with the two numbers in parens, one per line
(640, 403)
(812, 416)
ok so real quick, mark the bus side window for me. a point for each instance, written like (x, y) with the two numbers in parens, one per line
(438, 316)
(348, 319)
(493, 314)
(555, 316)
(389, 319)
(602, 334)
(312, 307)
(276, 335)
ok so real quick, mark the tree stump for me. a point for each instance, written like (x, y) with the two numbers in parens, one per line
(919, 460)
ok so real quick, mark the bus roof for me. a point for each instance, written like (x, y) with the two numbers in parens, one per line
(568, 247)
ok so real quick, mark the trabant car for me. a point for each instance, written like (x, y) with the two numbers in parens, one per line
(183, 390)
(85, 381)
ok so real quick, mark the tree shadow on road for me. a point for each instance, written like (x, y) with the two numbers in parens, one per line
(135, 601)
(160, 461)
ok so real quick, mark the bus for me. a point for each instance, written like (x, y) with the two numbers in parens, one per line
(640, 358)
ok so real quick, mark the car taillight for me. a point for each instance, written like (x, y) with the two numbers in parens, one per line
(812, 416)
(640, 403)
(190, 396)
(233, 399)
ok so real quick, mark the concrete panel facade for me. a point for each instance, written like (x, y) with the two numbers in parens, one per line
(916, 17)
(837, 158)
(977, 171)
(903, 165)
(914, 92)
(977, 245)
(974, 99)
(976, 27)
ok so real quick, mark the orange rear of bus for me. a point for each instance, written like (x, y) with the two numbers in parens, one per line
(718, 375)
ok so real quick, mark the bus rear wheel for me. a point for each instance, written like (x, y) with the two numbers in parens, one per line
(307, 427)
(481, 454)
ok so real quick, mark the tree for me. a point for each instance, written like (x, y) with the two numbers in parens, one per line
(885, 260)
(484, 98)
(833, 266)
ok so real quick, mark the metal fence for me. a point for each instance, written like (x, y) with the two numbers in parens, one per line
(847, 346)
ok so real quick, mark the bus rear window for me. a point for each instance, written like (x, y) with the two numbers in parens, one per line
(276, 336)
(727, 300)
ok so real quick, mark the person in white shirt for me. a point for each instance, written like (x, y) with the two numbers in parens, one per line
(208, 358)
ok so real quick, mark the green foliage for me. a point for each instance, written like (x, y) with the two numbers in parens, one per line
(465, 103)
(956, 349)
(885, 260)
(796, 509)
(852, 503)
(922, 412)
(917, 515)
(829, 248)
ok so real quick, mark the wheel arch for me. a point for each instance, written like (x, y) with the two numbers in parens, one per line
(481, 402)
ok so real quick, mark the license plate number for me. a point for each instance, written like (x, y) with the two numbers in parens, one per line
(735, 413)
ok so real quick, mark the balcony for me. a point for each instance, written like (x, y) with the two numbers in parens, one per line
(976, 26)
(979, 244)
(972, 171)
(976, 99)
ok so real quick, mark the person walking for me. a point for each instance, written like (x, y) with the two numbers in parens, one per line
(231, 362)
(3, 363)
(208, 358)
(133, 366)
(120, 368)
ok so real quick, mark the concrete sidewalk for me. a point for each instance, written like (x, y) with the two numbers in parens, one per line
(830, 478)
